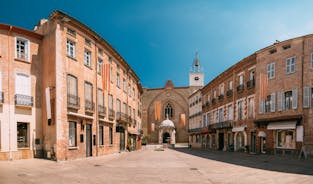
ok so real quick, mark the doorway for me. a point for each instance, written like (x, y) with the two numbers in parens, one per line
(166, 137)
(221, 141)
(253, 139)
(88, 140)
(122, 140)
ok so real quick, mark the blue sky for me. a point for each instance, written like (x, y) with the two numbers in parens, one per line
(159, 38)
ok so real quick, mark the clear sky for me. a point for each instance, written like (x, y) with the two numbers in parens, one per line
(158, 38)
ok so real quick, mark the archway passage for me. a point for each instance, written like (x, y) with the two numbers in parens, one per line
(166, 137)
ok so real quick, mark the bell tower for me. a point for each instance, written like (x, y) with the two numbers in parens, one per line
(196, 75)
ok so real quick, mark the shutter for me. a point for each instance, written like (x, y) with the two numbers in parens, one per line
(237, 111)
(280, 101)
(306, 97)
(273, 102)
(294, 98)
(261, 110)
(283, 100)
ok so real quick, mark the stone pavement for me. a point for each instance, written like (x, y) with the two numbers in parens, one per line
(146, 166)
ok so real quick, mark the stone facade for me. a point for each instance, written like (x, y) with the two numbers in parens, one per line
(177, 98)
(86, 98)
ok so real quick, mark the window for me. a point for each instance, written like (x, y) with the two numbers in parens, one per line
(222, 89)
(129, 90)
(290, 65)
(72, 85)
(271, 70)
(87, 42)
(22, 48)
(72, 135)
(118, 83)
(124, 86)
(101, 137)
(221, 115)
(133, 93)
(272, 51)
(110, 135)
(230, 112)
(71, 32)
(22, 135)
(100, 98)
(88, 95)
(168, 111)
(87, 58)
(71, 48)
(288, 100)
(124, 108)
(100, 51)
(207, 118)
(240, 110)
(111, 75)
(268, 104)
(99, 66)
(118, 105)
(241, 80)
(110, 102)
(204, 120)
(22, 84)
(252, 75)
(286, 47)
(129, 111)
(230, 85)
(286, 139)
(251, 107)
(214, 94)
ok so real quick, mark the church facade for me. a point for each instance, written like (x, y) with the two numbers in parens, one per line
(165, 110)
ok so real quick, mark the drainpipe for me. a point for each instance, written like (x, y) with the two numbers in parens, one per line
(10, 148)
(301, 89)
(96, 103)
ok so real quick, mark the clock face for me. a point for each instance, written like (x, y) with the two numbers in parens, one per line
(197, 78)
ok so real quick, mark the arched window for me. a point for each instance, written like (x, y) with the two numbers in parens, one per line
(168, 111)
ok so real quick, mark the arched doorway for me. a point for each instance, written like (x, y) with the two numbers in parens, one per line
(240, 141)
(166, 137)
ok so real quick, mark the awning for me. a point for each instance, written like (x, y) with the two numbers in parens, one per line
(80, 115)
(134, 132)
(106, 120)
(239, 129)
(283, 125)
(261, 134)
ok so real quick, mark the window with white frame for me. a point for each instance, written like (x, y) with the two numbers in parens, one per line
(271, 70)
(290, 65)
(87, 58)
(22, 84)
(240, 110)
(71, 48)
(230, 85)
(241, 79)
(207, 118)
(222, 89)
(214, 94)
(221, 115)
(22, 48)
(288, 100)
(268, 103)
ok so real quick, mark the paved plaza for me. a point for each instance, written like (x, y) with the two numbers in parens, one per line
(149, 166)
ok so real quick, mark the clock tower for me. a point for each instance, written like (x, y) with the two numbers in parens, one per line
(196, 75)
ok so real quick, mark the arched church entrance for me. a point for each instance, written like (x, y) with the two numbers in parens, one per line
(166, 137)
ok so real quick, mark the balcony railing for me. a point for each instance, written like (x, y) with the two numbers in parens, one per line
(89, 106)
(240, 88)
(220, 97)
(229, 93)
(102, 110)
(194, 130)
(73, 101)
(250, 83)
(1, 97)
(23, 100)
(122, 117)
(111, 114)
(221, 125)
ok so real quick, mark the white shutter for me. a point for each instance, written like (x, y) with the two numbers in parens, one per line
(294, 98)
(261, 107)
(273, 102)
(306, 97)
(280, 101)
(22, 84)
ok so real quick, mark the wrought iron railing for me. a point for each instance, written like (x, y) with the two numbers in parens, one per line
(23, 100)
(89, 106)
(111, 114)
(251, 83)
(73, 101)
(102, 110)
(240, 88)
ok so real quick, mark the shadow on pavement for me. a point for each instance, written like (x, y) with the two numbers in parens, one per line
(265, 162)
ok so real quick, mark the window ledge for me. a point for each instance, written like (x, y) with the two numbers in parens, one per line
(88, 67)
(110, 145)
(22, 60)
(71, 57)
(101, 146)
(73, 148)
(24, 148)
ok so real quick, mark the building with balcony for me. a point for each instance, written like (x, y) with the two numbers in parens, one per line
(63, 92)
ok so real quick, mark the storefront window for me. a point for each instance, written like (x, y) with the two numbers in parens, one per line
(22, 135)
(286, 139)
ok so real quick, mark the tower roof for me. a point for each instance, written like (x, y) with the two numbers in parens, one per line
(196, 61)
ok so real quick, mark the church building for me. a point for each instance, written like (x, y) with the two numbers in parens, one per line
(165, 110)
